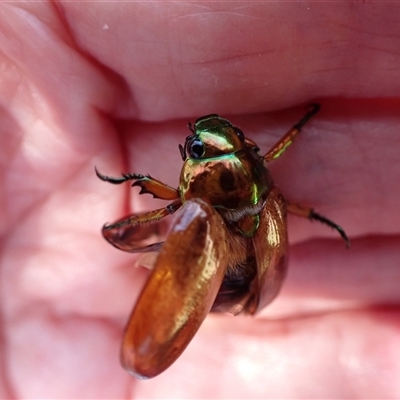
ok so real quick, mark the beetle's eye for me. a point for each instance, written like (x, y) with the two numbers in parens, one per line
(196, 148)
(240, 134)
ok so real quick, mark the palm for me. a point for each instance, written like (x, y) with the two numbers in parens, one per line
(67, 294)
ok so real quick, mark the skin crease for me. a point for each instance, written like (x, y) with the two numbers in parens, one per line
(113, 85)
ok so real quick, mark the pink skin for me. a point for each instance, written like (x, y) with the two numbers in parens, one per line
(113, 85)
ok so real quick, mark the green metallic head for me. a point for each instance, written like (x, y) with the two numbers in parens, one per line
(213, 136)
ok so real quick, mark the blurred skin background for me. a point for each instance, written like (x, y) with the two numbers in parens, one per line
(114, 85)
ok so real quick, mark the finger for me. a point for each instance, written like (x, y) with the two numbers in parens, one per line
(324, 276)
(268, 65)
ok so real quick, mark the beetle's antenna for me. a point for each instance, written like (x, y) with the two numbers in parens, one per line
(183, 152)
(190, 127)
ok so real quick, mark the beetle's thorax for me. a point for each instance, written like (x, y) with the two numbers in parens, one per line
(232, 181)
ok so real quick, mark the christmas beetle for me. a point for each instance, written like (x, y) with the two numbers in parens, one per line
(226, 249)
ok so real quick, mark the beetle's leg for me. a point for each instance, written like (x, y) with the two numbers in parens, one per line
(307, 212)
(146, 183)
(133, 232)
(179, 293)
(287, 140)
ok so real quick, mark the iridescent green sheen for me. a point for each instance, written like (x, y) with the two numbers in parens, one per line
(225, 172)
(218, 135)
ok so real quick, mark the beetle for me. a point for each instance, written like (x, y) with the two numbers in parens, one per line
(226, 249)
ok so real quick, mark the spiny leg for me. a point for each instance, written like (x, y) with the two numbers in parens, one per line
(307, 212)
(147, 184)
(287, 140)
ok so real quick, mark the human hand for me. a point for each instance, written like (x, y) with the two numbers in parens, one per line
(113, 85)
